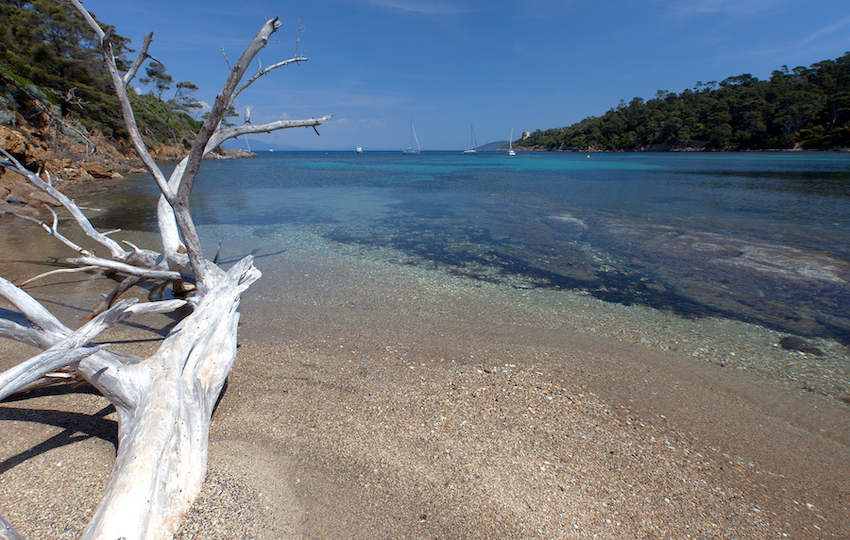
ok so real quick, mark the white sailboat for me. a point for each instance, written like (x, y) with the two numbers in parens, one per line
(511, 151)
(359, 149)
(414, 142)
(247, 122)
(472, 143)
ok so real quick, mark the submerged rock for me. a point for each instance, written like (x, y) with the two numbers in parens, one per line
(794, 343)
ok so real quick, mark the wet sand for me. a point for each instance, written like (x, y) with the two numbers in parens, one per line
(373, 399)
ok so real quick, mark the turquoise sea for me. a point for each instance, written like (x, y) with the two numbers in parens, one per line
(762, 238)
(674, 322)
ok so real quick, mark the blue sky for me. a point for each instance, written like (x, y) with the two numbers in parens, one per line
(449, 64)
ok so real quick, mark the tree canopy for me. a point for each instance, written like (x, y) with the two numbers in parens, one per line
(807, 108)
(156, 75)
(48, 46)
(52, 53)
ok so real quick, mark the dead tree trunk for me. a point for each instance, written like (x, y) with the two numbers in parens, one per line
(164, 402)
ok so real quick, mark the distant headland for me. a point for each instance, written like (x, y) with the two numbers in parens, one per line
(797, 109)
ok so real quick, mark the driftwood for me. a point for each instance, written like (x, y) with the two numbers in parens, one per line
(164, 402)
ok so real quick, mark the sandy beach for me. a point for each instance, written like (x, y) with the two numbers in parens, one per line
(372, 399)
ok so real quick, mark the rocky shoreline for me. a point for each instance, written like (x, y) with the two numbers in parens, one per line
(73, 168)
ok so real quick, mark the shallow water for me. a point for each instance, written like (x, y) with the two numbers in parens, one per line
(761, 238)
(534, 250)
(389, 262)
(725, 259)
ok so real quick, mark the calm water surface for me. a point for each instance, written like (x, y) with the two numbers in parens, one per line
(762, 238)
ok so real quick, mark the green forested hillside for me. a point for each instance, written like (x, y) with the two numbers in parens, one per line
(799, 108)
(53, 68)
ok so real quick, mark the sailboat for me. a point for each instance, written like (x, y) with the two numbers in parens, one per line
(247, 122)
(359, 149)
(472, 146)
(511, 151)
(414, 142)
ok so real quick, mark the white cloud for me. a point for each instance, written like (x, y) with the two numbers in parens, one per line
(734, 8)
(829, 30)
(362, 128)
(423, 7)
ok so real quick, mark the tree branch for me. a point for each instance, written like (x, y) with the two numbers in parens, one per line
(69, 350)
(53, 230)
(129, 269)
(124, 100)
(164, 402)
(7, 532)
(55, 272)
(263, 72)
(238, 131)
(35, 313)
(143, 55)
(180, 203)
(11, 163)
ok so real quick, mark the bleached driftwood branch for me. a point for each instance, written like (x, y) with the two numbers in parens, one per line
(53, 230)
(129, 269)
(140, 59)
(164, 402)
(68, 351)
(263, 72)
(238, 131)
(162, 448)
(75, 270)
(7, 532)
(124, 99)
(13, 164)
